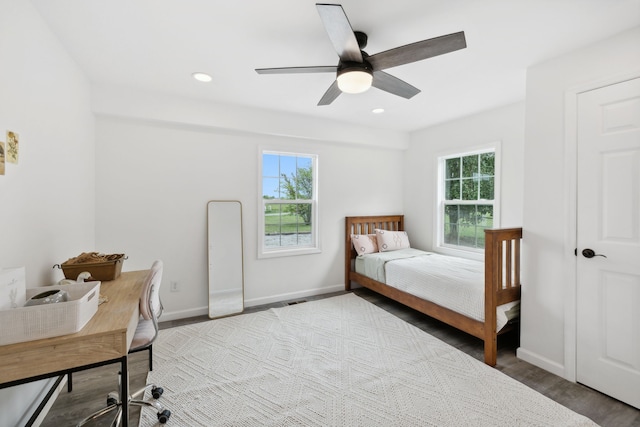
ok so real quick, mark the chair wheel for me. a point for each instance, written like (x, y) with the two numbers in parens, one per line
(112, 399)
(163, 416)
(156, 392)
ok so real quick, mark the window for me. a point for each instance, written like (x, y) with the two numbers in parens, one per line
(288, 221)
(467, 199)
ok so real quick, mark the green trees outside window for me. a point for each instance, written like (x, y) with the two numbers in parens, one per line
(288, 199)
(469, 187)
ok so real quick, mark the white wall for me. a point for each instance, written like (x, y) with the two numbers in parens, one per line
(505, 125)
(125, 102)
(548, 293)
(47, 200)
(154, 178)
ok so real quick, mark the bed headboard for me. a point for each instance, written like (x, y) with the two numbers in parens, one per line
(366, 225)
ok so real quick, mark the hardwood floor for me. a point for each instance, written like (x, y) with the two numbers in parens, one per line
(90, 388)
(89, 394)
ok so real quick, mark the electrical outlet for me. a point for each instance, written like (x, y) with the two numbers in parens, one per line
(174, 286)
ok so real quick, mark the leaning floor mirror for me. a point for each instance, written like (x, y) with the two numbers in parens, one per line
(226, 277)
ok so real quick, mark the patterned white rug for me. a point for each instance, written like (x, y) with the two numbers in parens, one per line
(339, 361)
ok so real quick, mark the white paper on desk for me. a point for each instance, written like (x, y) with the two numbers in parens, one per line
(12, 288)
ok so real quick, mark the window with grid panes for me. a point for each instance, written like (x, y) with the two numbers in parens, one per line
(467, 198)
(288, 223)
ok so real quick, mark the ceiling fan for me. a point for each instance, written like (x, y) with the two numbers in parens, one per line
(356, 71)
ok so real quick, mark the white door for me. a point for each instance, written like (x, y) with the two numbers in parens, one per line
(608, 223)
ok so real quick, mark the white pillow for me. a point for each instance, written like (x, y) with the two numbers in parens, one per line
(392, 240)
(364, 243)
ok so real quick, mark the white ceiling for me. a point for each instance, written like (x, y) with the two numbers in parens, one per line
(155, 45)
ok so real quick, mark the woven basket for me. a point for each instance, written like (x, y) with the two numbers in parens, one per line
(104, 271)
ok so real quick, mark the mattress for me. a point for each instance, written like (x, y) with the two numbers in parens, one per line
(451, 282)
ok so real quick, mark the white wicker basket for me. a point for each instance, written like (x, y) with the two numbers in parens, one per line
(50, 320)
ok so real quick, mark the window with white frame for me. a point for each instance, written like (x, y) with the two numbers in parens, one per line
(289, 203)
(467, 199)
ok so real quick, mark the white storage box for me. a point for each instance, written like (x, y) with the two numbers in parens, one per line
(50, 320)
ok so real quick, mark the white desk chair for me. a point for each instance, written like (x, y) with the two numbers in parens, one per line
(146, 333)
(150, 311)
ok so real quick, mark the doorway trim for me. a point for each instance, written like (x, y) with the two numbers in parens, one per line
(571, 212)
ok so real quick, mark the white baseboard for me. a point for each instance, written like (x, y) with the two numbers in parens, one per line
(184, 314)
(203, 311)
(292, 295)
(541, 362)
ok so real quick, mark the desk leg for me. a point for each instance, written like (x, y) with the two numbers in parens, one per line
(124, 391)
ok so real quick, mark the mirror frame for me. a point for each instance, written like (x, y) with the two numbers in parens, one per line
(237, 307)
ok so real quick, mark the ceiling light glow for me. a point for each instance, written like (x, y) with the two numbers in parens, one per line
(202, 77)
(355, 79)
(377, 110)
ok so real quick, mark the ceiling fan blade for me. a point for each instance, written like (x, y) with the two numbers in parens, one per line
(394, 85)
(418, 51)
(331, 94)
(340, 32)
(298, 70)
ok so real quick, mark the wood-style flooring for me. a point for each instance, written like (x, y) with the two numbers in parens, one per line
(90, 388)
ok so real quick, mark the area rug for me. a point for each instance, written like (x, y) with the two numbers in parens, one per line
(339, 361)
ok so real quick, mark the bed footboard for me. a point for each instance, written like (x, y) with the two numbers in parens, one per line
(501, 281)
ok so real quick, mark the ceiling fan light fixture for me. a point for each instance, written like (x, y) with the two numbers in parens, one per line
(355, 79)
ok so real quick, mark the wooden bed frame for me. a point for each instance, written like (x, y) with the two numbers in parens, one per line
(502, 279)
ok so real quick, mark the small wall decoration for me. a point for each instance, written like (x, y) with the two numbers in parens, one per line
(13, 147)
(1, 158)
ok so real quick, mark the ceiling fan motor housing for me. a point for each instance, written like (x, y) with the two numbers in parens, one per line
(348, 66)
(362, 39)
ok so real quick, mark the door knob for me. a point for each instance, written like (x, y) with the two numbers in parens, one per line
(590, 253)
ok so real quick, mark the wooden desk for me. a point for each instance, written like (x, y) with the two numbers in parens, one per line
(105, 339)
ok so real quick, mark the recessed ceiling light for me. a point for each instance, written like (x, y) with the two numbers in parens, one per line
(202, 77)
(377, 110)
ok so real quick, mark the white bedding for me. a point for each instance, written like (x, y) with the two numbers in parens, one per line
(452, 282)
